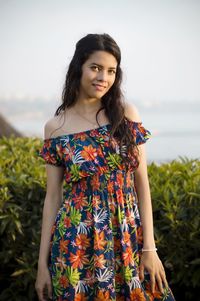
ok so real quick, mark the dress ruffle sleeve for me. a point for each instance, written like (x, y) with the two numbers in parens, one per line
(140, 133)
(51, 152)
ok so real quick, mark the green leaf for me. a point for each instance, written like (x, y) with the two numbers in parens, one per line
(75, 216)
(73, 275)
(75, 172)
(114, 160)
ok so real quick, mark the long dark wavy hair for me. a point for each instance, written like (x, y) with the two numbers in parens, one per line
(112, 102)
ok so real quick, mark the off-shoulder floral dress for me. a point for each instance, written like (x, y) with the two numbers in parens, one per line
(96, 238)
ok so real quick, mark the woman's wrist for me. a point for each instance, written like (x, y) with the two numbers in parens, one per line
(149, 244)
(42, 263)
(149, 249)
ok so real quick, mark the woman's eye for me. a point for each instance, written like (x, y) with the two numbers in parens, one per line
(112, 71)
(95, 68)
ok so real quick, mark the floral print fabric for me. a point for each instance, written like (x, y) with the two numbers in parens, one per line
(96, 238)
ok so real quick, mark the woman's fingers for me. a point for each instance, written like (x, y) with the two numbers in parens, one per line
(155, 269)
(159, 283)
(43, 285)
(163, 275)
(41, 294)
(158, 279)
(164, 280)
(44, 293)
(152, 279)
(161, 280)
(141, 272)
(49, 288)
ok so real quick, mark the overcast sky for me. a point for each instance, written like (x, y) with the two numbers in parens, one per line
(159, 40)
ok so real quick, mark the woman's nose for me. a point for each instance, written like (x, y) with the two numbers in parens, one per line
(102, 76)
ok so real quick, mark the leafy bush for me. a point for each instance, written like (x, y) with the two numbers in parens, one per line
(22, 192)
(175, 190)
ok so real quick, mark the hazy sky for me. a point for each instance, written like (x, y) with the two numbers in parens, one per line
(159, 40)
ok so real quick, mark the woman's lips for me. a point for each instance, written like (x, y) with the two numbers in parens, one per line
(99, 87)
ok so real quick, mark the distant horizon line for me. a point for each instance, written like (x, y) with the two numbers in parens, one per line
(132, 99)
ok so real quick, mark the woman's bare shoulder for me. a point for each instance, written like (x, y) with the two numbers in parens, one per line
(51, 125)
(131, 112)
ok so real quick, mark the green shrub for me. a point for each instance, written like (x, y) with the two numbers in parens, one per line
(22, 192)
(175, 191)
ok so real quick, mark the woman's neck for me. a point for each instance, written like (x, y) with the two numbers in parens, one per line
(88, 106)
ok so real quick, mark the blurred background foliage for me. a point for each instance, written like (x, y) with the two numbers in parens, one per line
(175, 191)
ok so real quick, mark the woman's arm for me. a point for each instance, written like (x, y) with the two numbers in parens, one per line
(53, 199)
(144, 199)
(52, 202)
(142, 186)
(149, 260)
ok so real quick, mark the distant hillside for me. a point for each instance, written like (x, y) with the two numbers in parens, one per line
(6, 129)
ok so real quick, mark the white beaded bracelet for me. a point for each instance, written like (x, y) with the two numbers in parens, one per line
(149, 250)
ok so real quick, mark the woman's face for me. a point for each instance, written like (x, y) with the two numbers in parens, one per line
(98, 75)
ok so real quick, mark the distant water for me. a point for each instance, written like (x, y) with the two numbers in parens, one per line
(175, 132)
(175, 127)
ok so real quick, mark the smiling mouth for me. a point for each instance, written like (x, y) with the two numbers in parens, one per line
(99, 86)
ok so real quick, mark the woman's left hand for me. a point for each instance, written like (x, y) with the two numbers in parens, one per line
(151, 262)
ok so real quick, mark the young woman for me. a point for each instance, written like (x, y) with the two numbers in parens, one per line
(97, 240)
